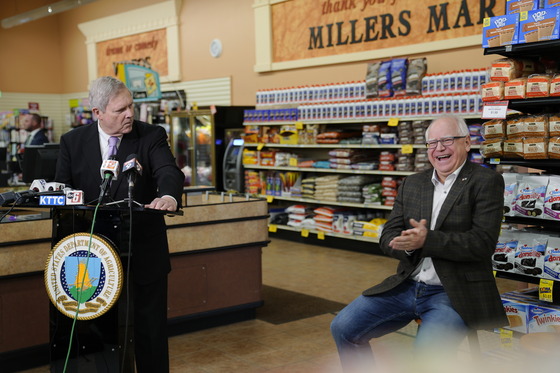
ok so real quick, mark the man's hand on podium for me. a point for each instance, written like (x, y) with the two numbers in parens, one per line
(163, 203)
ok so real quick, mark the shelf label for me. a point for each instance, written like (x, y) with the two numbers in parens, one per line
(506, 338)
(545, 290)
(305, 233)
(321, 235)
(299, 125)
(272, 228)
(393, 122)
(495, 110)
(269, 199)
(407, 149)
(260, 146)
(494, 161)
(293, 162)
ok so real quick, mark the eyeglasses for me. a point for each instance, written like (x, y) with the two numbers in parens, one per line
(445, 141)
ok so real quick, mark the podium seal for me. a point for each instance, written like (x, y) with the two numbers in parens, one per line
(81, 285)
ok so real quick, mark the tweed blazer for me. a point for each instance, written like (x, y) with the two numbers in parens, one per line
(461, 244)
(79, 163)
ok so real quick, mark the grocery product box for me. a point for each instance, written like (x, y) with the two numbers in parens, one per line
(550, 3)
(543, 319)
(289, 135)
(517, 313)
(552, 259)
(518, 6)
(538, 25)
(500, 30)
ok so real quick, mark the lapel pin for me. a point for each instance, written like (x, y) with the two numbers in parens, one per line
(464, 179)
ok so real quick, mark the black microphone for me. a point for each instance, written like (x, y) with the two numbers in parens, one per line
(109, 171)
(132, 168)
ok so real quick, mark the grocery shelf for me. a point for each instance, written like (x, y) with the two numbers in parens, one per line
(551, 48)
(348, 121)
(329, 170)
(328, 234)
(330, 203)
(338, 146)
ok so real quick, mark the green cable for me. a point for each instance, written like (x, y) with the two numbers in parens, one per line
(81, 287)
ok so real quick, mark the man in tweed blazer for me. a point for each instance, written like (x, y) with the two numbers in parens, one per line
(443, 230)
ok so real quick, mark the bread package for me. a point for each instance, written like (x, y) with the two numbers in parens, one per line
(535, 148)
(554, 147)
(513, 148)
(554, 89)
(491, 148)
(492, 91)
(515, 89)
(536, 126)
(494, 128)
(506, 69)
(554, 125)
(538, 85)
(515, 127)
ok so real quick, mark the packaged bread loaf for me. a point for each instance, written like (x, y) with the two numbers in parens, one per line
(491, 148)
(554, 89)
(515, 127)
(494, 128)
(515, 89)
(513, 148)
(536, 126)
(492, 91)
(538, 85)
(535, 148)
(554, 125)
(554, 147)
(506, 69)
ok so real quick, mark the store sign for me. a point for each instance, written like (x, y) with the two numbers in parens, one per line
(304, 29)
(147, 49)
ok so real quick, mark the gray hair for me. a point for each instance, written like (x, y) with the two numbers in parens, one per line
(103, 90)
(462, 127)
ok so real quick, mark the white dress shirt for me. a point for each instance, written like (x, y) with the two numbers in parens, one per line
(425, 272)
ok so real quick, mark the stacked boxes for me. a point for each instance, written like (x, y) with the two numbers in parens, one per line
(525, 21)
(526, 314)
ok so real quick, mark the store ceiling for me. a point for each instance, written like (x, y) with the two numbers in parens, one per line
(15, 12)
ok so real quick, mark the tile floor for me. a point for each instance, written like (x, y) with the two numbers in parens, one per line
(306, 345)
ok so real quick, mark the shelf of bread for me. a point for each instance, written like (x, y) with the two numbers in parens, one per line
(329, 170)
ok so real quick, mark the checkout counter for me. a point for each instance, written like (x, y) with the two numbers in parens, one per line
(216, 277)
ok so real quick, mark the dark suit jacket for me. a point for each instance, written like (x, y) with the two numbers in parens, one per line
(79, 163)
(461, 245)
(40, 138)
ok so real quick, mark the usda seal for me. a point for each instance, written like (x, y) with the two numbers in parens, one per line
(75, 282)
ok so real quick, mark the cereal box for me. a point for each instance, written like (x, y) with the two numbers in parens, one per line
(538, 25)
(550, 3)
(500, 30)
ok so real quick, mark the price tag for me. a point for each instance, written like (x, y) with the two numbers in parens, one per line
(393, 122)
(299, 125)
(506, 338)
(272, 228)
(321, 235)
(407, 149)
(269, 199)
(293, 162)
(545, 290)
(494, 161)
(260, 146)
(494, 272)
(305, 232)
(495, 110)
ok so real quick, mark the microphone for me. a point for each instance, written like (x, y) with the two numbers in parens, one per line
(109, 171)
(132, 168)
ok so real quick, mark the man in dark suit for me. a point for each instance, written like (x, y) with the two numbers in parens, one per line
(443, 231)
(82, 151)
(36, 135)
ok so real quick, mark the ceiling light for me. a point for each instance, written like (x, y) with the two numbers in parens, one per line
(44, 11)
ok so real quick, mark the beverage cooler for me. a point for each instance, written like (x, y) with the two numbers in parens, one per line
(192, 140)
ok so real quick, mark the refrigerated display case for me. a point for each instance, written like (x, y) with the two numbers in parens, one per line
(192, 139)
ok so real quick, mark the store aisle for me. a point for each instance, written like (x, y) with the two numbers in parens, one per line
(327, 277)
